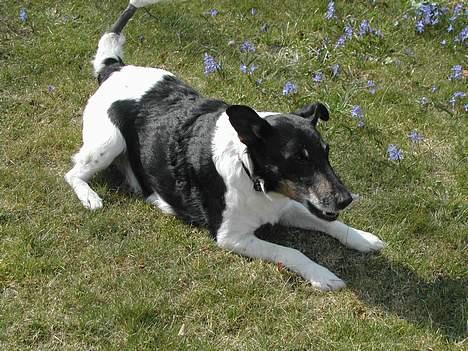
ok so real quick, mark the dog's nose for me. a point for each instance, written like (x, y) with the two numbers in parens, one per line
(343, 200)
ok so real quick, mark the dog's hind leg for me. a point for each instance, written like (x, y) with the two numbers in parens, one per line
(94, 156)
(130, 180)
(296, 215)
(156, 200)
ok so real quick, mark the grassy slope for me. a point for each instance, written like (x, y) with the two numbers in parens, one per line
(128, 277)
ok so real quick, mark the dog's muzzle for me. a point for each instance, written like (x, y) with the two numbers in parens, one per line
(328, 216)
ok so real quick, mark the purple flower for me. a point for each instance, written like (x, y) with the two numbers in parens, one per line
(465, 107)
(253, 11)
(393, 153)
(210, 64)
(443, 42)
(419, 26)
(212, 12)
(456, 95)
(435, 20)
(434, 88)
(356, 112)
(335, 68)
(364, 28)
(415, 137)
(450, 28)
(456, 12)
(258, 81)
(463, 35)
(429, 13)
(50, 88)
(348, 32)
(340, 42)
(23, 16)
(347, 35)
(457, 72)
(317, 77)
(289, 88)
(371, 86)
(247, 70)
(457, 9)
(331, 11)
(247, 46)
(425, 11)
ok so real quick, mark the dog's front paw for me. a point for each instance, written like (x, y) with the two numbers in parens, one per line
(322, 279)
(91, 200)
(364, 241)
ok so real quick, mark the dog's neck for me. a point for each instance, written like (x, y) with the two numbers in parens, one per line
(258, 183)
(231, 157)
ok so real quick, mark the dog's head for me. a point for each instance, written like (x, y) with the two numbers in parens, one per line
(291, 158)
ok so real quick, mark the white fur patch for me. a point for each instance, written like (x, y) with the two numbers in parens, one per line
(241, 198)
(131, 82)
(110, 46)
(156, 200)
(143, 3)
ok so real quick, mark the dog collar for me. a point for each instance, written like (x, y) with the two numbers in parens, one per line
(258, 183)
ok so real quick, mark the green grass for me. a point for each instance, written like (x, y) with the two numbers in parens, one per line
(127, 277)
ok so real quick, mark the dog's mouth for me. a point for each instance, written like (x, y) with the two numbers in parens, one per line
(328, 216)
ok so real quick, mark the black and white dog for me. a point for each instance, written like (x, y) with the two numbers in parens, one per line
(226, 167)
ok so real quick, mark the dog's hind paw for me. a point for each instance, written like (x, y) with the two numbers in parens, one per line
(322, 279)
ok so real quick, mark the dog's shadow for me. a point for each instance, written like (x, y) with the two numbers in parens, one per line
(378, 281)
(374, 278)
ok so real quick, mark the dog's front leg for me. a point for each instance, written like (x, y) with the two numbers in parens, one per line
(296, 215)
(247, 244)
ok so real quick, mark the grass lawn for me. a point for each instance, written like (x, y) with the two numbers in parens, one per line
(130, 278)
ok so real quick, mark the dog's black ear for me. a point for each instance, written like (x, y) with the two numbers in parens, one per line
(314, 112)
(250, 127)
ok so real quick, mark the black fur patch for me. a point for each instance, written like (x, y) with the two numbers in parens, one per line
(123, 114)
(168, 135)
(111, 65)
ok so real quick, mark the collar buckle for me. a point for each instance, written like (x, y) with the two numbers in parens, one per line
(258, 183)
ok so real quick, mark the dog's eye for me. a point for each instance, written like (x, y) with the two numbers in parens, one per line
(302, 155)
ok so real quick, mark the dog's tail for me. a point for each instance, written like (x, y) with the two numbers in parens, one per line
(110, 47)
